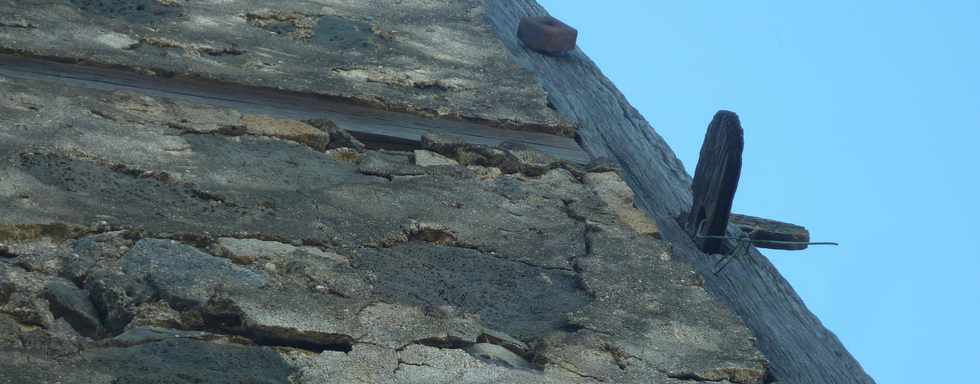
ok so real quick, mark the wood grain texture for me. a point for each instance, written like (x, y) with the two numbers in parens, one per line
(799, 348)
(766, 233)
(715, 181)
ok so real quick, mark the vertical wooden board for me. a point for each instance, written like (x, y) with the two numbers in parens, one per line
(715, 181)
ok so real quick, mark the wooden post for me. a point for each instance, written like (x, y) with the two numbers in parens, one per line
(715, 181)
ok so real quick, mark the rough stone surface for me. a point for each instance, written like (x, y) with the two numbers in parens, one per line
(534, 163)
(9, 330)
(509, 157)
(297, 131)
(183, 275)
(144, 335)
(437, 58)
(116, 296)
(499, 355)
(20, 296)
(68, 302)
(614, 192)
(428, 159)
(212, 256)
(339, 138)
(521, 300)
(185, 360)
(158, 314)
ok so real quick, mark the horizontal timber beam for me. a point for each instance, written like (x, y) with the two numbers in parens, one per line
(362, 121)
(772, 234)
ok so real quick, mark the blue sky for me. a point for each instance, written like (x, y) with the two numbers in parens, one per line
(862, 123)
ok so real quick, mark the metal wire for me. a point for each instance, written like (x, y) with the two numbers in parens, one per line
(744, 245)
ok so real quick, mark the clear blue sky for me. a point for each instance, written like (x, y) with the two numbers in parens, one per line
(862, 123)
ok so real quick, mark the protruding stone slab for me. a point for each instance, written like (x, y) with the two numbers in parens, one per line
(73, 304)
(715, 181)
(183, 275)
(772, 234)
(430, 159)
(286, 129)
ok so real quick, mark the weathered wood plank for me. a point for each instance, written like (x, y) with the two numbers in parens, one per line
(798, 346)
(368, 122)
(715, 181)
(772, 234)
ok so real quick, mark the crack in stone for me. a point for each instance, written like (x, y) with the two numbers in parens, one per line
(166, 43)
(403, 363)
(211, 337)
(452, 342)
(103, 115)
(360, 340)
(687, 376)
(587, 246)
(565, 368)
(493, 254)
(17, 23)
(206, 240)
(619, 355)
(445, 342)
(578, 327)
(730, 376)
(429, 233)
(224, 316)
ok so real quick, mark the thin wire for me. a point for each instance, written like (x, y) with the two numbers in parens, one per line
(745, 242)
(769, 241)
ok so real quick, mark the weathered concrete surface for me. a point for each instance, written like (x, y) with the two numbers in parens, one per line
(210, 252)
(438, 58)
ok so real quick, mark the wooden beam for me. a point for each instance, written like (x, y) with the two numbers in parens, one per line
(362, 121)
(772, 234)
(715, 182)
